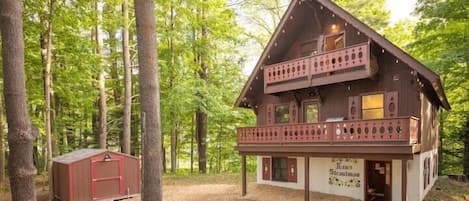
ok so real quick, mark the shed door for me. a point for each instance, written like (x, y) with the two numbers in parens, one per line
(107, 179)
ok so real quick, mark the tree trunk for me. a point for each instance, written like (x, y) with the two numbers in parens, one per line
(201, 124)
(102, 127)
(47, 93)
(127, 80)
(21, 133)
(171, 85)
(116, 88)
(173, 144)
(192, 144)
(150, 99)
(2, 146)
(201, 116)
(466, 151)
(102, 112)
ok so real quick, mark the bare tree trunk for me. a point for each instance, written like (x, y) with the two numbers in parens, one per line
(201, 124)
(171, 85)
(173, 144)
(47, 94)
(466, 151)
(21, 133)
(127, 79)
(102, 127)
(192, 144)
(2, 146)
(150, 99)
(201, 116)
(116, 88)
(102, 112)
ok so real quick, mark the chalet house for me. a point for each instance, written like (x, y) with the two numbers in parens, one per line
(341, 110)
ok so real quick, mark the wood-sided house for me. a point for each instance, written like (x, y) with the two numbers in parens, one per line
(341, 110)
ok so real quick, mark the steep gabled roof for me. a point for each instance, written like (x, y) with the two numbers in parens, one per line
(423, 71)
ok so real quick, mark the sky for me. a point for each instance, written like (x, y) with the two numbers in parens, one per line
(400, 10)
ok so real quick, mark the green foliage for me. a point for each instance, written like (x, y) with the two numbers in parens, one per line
(371, 12)
(442, 43)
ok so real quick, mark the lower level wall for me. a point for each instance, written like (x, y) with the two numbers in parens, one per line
(346, 177)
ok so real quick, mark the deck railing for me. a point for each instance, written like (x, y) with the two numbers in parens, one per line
(402, 129)
(349, 57)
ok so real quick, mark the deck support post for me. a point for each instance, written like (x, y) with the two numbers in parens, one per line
(404, 181)
(244, 182)
(306, 178)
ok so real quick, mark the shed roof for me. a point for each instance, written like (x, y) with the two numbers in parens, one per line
(77, 155)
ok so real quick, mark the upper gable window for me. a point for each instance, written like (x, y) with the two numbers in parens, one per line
(336, 41)
(282, 114)
(373, 106)
(309, 48)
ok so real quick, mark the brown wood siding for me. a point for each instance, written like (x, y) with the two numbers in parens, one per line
(354, 107)
(428, 125)
(61, 181)
(293, 112)
(334, 98)
(81, 180)
(391, 103)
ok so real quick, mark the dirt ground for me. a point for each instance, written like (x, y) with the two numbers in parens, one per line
(227, 187)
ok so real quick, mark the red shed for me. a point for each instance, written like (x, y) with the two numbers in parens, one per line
(95, 174)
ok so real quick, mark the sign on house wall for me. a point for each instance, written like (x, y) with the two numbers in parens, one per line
(343, 172)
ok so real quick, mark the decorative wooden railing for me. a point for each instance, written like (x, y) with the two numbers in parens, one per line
(331, 61)
(402, 129)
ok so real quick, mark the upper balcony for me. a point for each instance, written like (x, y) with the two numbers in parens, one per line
(396, 132)
(350, 63)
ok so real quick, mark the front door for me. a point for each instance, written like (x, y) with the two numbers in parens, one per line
(378, 181)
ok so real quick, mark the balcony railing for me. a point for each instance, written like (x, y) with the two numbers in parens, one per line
(312, 67)
(402, 130)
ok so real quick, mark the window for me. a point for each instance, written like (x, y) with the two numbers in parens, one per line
(282, 114)
(373, 106)
(279, 169)
(335, 42)
(311, 112)
(309, 48)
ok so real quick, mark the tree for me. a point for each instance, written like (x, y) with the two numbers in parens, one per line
(150, 99)
(127, 78)
(102, 127)
(2, 146)
(21, 132)
(47, 92)
(442, 44)
(370, 12)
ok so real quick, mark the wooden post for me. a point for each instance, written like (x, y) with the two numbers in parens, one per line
(243, 164)
(307, 178)
(404, 181)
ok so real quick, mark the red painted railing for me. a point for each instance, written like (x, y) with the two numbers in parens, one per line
(349, 57)
(402, 129)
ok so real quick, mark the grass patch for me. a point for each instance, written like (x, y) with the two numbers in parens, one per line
(446, 189)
